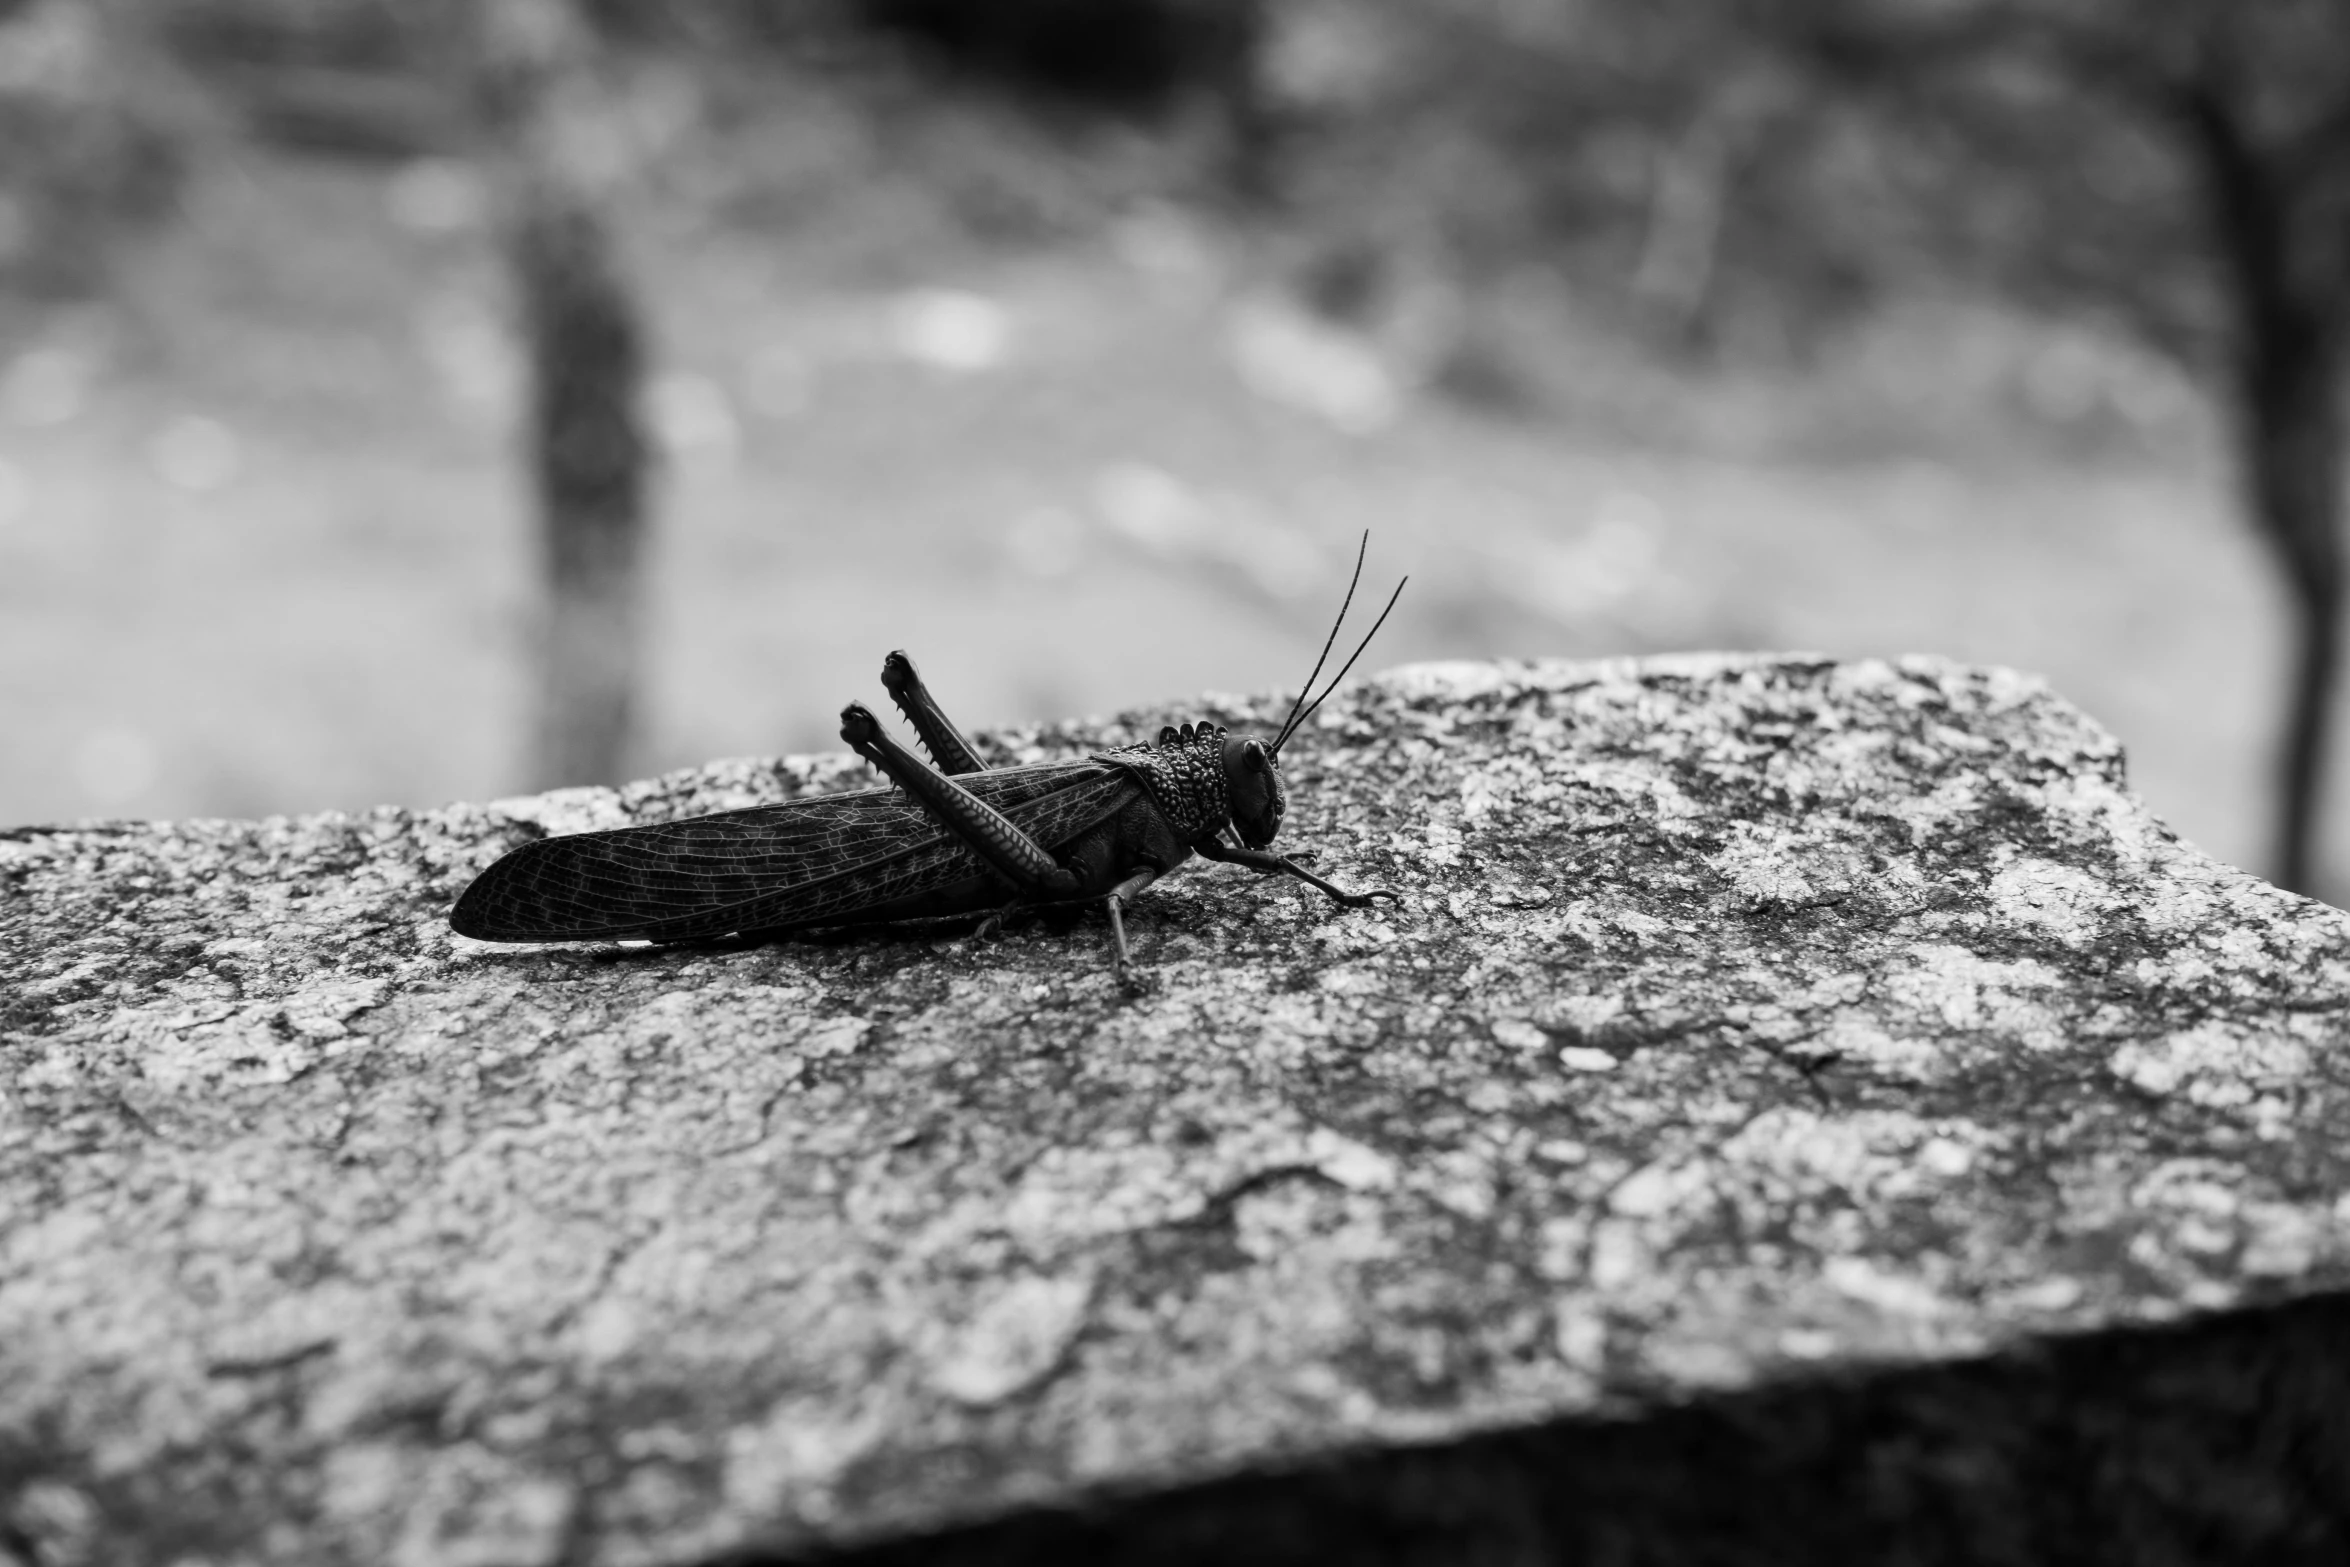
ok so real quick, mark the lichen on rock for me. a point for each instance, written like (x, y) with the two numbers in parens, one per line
(1743, 1020)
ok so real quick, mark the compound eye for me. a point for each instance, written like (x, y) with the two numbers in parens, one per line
(1254, 757)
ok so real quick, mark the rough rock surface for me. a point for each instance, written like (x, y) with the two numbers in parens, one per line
(1751, 1030)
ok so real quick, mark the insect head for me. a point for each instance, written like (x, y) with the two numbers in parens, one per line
(1252, 769)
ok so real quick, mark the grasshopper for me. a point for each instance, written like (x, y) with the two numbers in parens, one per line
(952, 839)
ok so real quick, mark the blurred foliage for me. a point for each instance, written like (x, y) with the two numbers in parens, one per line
(2024, 158)
(355, 77)
(1660, 163)
(87, 145)
(1116, 54)
(1725, 176)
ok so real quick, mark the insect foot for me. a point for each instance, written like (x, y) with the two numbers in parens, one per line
(997, 923)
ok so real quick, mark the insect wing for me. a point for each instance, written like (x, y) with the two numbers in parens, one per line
(803, 862)
(673, 878)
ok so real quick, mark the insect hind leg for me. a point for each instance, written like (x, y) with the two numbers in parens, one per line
(938, 733)
(966, 818)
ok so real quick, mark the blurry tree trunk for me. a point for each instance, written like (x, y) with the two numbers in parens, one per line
(589, 461)
(2284, 239)
(1691, 188)
(1674, 275)
(589, 458)
(2294, 460)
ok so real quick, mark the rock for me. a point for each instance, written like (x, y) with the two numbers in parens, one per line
(1800, 1111)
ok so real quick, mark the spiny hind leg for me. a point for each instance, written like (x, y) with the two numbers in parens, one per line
(938, 733)
(966, 818)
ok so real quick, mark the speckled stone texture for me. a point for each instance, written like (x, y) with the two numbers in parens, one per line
(1800, 1111)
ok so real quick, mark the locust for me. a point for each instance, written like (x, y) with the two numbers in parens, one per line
(946, 837)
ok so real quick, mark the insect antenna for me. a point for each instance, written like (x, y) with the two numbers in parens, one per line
(1291, 726)
(1330, 641)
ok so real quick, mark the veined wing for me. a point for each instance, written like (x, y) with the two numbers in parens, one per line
(803, 862)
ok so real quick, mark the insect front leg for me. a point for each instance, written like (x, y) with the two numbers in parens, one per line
(1214, 847)
(939, 735)
(971, 821)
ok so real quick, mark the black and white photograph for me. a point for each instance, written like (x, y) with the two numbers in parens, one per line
(1158, 781)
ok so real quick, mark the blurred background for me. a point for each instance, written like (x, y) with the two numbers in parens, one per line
(415, 400)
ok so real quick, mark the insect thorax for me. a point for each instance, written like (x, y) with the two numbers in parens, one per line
(1184, 772)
